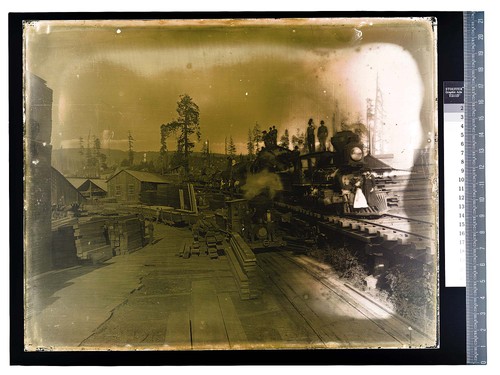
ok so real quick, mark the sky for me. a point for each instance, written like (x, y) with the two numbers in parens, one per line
(112, 77)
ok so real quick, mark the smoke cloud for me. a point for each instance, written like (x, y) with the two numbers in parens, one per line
(260, 182)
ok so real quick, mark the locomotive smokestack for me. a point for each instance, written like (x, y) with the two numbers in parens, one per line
(336, 118)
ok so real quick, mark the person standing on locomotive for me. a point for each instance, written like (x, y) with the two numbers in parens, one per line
(322, 135)
(266, 138)
(310, 136)
(274, 136)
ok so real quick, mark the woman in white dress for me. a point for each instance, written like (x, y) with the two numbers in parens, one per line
(359, 197)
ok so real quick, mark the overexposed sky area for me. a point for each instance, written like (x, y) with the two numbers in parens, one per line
(112, 77)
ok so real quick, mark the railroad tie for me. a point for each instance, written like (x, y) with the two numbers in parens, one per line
(388, 235)
(372, 229)
(355, 225)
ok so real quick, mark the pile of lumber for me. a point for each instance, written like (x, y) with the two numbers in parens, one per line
(244, 266)
(207, 240)
(173, 217)
(214, 244)
(91, 242)
(64, 221)
(131, 234)
(63, 247)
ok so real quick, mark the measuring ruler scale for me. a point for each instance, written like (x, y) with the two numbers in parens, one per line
(475, 198)
(464, 173)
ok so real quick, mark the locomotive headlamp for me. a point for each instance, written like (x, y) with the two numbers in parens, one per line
(356, 154)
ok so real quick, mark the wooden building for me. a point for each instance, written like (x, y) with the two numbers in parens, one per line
(128, 186)
(90, 188)
(63, 192)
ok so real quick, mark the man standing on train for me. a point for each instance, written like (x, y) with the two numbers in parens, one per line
(322, 135)
(310, 136)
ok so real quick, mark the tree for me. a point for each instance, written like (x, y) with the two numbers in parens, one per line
(298, 139)
(97, 146)
(256, 136)
(231, 148)
(205, 150)
(100, 158)
(89, 161)
(250, 145)
(186, 125)
(130, 149)
(285, 139)
(82, 152)
(164, 133)
(82, 147)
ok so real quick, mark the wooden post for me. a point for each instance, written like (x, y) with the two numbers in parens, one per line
(192, 197)
(181, 199)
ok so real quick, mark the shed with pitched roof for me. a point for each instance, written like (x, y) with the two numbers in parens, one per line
(128, 185)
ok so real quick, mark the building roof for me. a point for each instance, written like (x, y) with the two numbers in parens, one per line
(101, 184)
(143, 176)
(374, 163)
(77, 182)
(60, 177)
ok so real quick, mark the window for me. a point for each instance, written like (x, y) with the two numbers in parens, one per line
(118, 190)
(131, 189)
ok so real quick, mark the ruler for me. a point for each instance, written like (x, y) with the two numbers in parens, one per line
(475, 199)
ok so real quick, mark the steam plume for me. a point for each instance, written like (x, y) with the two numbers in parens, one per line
(258, 183)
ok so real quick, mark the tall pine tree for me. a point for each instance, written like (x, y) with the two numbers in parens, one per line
(185, 126)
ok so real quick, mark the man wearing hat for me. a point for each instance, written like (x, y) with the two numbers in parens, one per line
(310, 136)
(322, 135)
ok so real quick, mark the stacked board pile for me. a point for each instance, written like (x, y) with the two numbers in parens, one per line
(244, 267)
(207, 239)
(63, 247)
(126, 233)
(131, 234)
(92, 240)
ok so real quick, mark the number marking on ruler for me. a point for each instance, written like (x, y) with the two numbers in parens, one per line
(475, 187)
(454, 177)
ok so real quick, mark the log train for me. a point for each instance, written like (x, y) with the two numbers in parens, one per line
(339, 182)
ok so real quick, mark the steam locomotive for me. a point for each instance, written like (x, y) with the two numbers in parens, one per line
(339, 182)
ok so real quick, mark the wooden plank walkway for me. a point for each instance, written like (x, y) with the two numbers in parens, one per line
(156, 300)
(207, 323)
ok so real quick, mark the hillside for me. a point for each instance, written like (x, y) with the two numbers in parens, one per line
(70, 162)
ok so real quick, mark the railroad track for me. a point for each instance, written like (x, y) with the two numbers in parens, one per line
(338, 314)
(414, 238)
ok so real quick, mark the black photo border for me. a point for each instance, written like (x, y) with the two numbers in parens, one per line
(452, 310)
